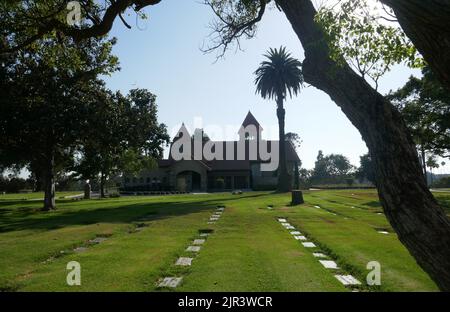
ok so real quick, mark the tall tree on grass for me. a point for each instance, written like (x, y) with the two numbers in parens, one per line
(127, 138)
(44, 114)
(277, 77)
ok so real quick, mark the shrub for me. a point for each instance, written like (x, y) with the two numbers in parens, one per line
(220, 183)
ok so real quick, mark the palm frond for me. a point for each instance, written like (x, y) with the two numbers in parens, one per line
(279, 76)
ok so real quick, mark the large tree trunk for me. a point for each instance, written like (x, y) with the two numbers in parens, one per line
(427, 24)
(283, 178)
(420, 223)
(49, 185)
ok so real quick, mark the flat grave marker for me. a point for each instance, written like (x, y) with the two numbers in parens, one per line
(171, 282)
(329, 264)
(193, 248)
(347, 280)
(184, 261)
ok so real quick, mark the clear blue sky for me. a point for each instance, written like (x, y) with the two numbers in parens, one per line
(165, 57)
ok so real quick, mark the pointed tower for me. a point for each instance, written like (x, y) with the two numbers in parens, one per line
(250, 128)
(181, 140)
(182, 133)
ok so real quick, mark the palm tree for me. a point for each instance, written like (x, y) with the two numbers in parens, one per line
(276, 77)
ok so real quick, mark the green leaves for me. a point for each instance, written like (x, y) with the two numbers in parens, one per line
(369, 41)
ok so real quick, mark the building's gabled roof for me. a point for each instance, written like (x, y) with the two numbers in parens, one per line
(251, 120)
(234, 163)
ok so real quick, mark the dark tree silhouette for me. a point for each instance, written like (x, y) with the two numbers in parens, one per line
(275, 79)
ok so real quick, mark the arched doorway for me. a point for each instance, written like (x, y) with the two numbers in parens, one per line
(189, 181)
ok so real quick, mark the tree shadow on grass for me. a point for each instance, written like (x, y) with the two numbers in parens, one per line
(26, 217)
(374, 204)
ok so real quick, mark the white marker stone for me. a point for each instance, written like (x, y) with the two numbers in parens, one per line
(329, 264)
(290, 227)
(220, 209)
(198, 241)
(299, 237)
(318, 207)
(184, 261)
(204, 234)
(296, 233)
(308, 244)
(97, 240)
(319, 255)
(171, 282)
(347, 280)
(213, 219)
(282, 220)
(383, 232)
(285, 224)
(193, 248)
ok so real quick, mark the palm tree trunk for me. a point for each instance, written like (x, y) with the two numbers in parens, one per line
(420, 223)
(283, 178)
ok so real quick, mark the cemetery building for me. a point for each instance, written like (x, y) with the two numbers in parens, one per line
(230, 170)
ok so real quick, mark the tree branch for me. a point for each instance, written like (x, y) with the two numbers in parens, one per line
(100, 27)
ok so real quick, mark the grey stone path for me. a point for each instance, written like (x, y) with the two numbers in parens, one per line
(329, 264)
(170, 282)
(173, 282)
(193, 248)
(346, 280)
(319, 255)
(80, 249)
(97, 240)
(184, 261)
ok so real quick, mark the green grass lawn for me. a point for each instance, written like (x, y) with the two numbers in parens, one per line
(34, 196)
(248, 251)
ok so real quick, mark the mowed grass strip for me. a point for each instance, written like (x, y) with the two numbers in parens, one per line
(353, 238)
(251, 251)
(27, 241)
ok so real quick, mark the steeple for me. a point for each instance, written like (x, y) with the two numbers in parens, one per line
(250, 128)
(182, 132)
(251, 120)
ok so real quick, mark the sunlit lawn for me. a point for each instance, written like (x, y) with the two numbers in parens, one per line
(248, 251)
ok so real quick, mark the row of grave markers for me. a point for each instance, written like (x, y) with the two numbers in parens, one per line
(346, 280)
(381, 231)
(194, 247)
